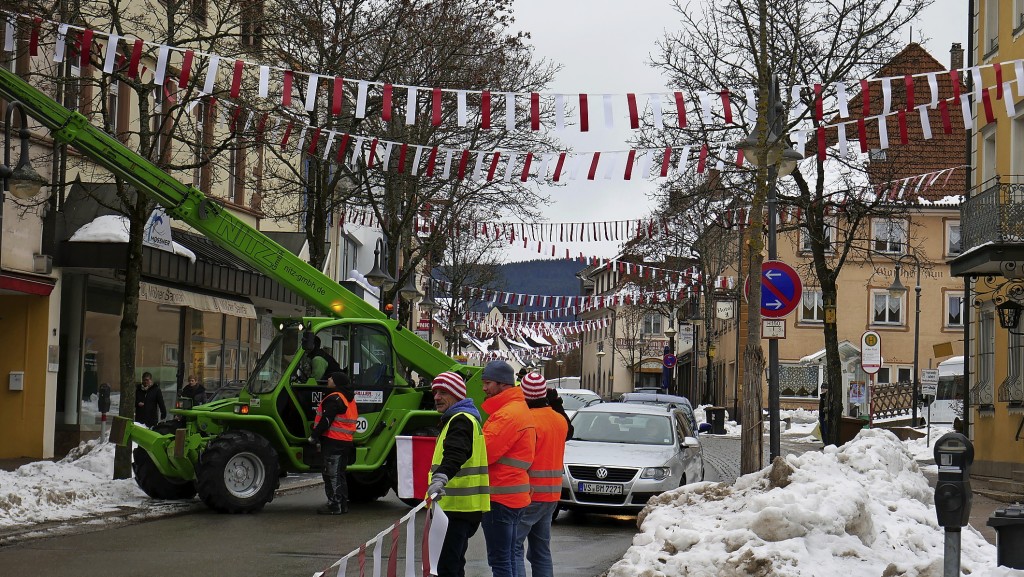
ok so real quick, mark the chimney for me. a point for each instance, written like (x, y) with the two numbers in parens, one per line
(956, 56)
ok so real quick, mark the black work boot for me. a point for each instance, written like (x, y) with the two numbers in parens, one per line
(332, 508)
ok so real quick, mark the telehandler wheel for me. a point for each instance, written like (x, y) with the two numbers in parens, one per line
(154, 483)
(367, 487)
(238, 473)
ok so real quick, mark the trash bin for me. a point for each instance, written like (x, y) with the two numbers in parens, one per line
(1009, 526)
(716, 416)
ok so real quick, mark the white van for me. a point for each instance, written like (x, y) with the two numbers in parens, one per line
(947, 404)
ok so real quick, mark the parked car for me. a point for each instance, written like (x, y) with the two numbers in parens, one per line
(574, 399)
(622, 454)
(661, 400)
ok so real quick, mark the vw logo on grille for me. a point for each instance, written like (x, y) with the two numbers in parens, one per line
(602, 473)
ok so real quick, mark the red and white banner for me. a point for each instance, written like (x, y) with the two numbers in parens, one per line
(414, 457)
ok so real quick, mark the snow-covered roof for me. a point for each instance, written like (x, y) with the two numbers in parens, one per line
(113, 228)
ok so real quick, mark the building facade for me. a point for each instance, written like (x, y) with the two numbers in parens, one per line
(993, 254)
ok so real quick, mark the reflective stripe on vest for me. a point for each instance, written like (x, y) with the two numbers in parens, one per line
(510, 489)
(517, 463)
(344, 424)
(469, 490)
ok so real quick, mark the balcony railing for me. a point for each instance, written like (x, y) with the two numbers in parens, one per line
(996, 214)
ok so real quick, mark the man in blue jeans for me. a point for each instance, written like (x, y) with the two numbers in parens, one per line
(533, 536)
(511, 442)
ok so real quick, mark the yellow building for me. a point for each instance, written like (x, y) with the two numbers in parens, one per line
(993, 260)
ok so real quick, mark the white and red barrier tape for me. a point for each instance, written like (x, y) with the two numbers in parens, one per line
(433, 537)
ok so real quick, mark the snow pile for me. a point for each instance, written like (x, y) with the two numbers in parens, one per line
(113, 228)
(78, 485)
(863, 509)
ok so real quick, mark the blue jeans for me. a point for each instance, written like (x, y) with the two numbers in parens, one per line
(499, 525)
(536, 527)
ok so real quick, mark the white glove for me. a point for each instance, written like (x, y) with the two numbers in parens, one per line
(436, 489)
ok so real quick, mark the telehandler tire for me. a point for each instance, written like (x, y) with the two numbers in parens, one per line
(238, 473)
(151, 480)
(154, 483)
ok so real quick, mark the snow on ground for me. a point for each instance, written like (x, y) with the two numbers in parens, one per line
(78, 485)
(864, 509)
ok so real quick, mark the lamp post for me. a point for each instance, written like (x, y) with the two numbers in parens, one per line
(666, 372)
(600, 355)
(559, 363)
(429, 305)
(377, 276)
(897, 290)
(780, 160)
(21, 180)
(460, 327)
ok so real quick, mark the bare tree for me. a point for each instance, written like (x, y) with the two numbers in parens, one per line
(156, 121)
(445, 44)
(800, 42)
(465, 262)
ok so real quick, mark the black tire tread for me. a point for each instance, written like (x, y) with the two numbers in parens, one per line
(154, 483)
(210, 475)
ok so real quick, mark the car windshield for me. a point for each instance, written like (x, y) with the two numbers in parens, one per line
(575, 401)
(625, 428)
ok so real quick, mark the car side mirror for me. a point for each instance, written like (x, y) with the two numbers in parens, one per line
(691, 442)
(704, 428)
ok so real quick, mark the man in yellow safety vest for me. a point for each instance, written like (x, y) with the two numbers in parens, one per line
(458, 471)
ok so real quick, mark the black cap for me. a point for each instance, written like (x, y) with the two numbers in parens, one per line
(340, 379)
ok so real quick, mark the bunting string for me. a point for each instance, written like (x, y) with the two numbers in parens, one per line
(329, 91)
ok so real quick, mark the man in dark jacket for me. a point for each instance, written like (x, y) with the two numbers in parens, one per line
(149, 402)
(335, 424)
(458, 471)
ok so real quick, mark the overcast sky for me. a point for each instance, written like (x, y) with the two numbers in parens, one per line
(604, 46)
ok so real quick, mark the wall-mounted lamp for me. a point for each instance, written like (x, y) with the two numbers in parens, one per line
(1009, 314)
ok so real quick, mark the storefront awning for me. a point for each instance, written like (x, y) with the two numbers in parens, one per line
(179, 297)
(27, 284)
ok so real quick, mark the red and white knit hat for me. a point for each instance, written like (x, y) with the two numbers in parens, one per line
(451, 383)
(535, 386)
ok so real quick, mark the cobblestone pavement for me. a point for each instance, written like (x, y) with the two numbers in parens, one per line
(722, 452)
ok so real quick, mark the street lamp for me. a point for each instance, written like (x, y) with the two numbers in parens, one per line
(897, 290)
(22, 181)
(377, 276)
(670, 348)
(780, 160)
(600, 355)
(559, 363)
(409, 290)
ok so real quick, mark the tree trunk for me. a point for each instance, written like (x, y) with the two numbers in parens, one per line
(833, 371)
(752, 431)
(129, 328)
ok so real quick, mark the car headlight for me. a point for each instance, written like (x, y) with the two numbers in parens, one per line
(656, 473)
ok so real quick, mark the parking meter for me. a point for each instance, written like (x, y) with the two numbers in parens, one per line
(954, 454)
(103, 398)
